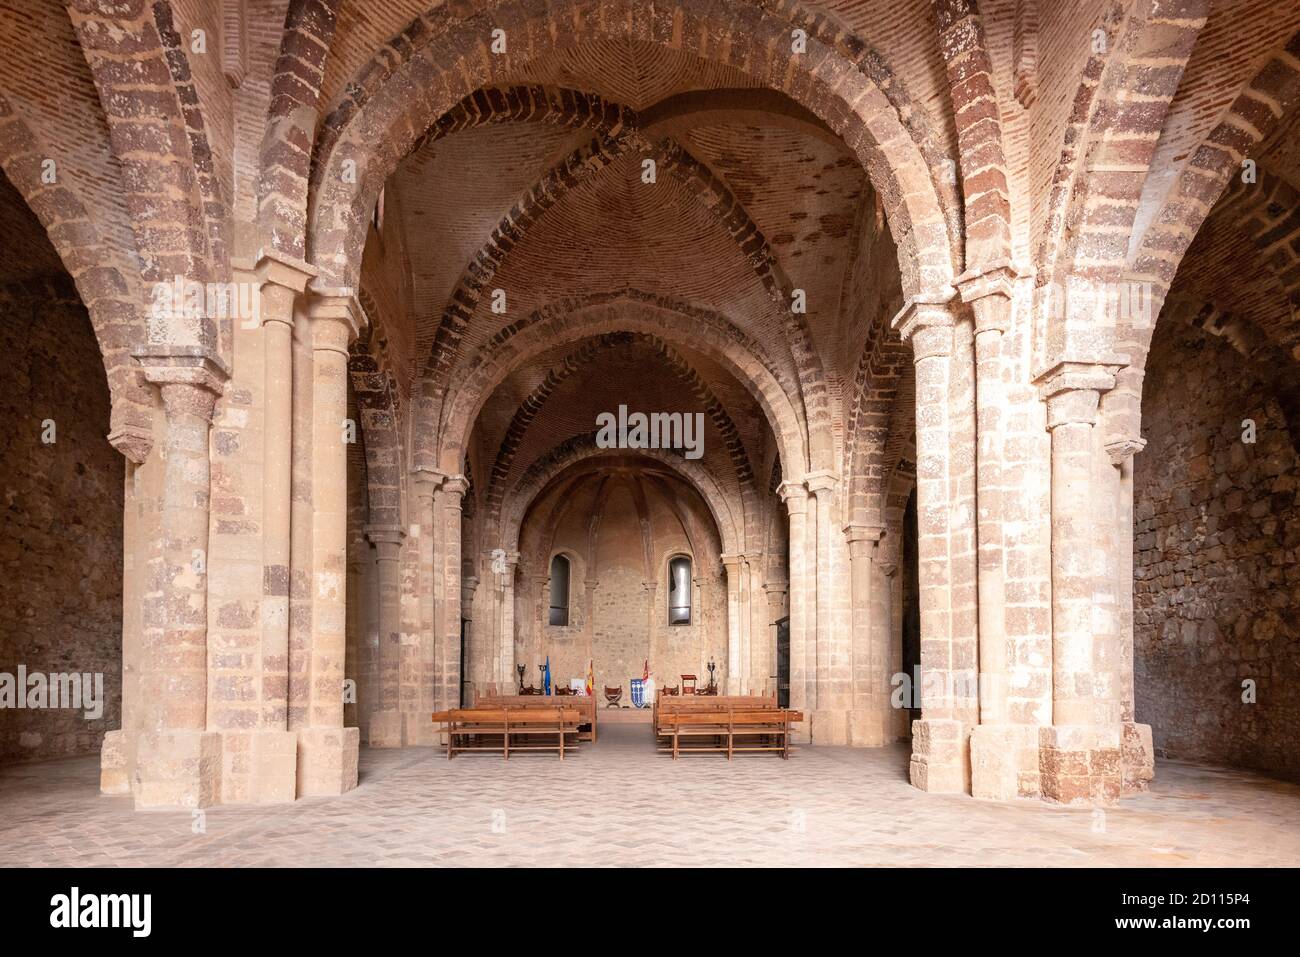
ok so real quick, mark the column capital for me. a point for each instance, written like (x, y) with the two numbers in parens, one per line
(926, 321)
(794, 494)
(134, 442)
(858, 532)
(275, 268)
(426, 480)
(997, 278)
(1120, 448)
(730, 561)
(1072, 390)
(823, 480)
(190, 378)
(778, 587)
(888, 568)
(457, 485)
(337, 318)
(384, 534)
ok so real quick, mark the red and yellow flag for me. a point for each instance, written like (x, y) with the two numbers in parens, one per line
(591, 679)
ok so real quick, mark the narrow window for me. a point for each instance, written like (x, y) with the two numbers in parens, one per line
(679, 591)
(559, 590)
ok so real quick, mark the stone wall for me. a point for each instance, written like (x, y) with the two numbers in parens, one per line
(60, 519)
(1217, 560)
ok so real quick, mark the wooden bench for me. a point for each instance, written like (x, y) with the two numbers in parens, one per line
(584, 704)
(671, 704)
(728, 732)
(557, 727)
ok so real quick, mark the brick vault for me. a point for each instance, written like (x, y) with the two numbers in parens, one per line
(987, 315)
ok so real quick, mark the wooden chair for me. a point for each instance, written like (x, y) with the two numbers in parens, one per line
(613, 696)
(668, 690)
(688, 684)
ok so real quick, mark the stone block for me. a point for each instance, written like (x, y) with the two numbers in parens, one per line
(178, 769)
(940, 757)
(1137, 756)
(418, 730)
(829, 727)
(327, 761)
(274, 767)
(115, 764)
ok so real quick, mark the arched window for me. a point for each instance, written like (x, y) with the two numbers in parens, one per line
(559, 590)
(679, 591)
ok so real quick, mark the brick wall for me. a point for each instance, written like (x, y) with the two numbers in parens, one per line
(1217, 570)
(60, 516)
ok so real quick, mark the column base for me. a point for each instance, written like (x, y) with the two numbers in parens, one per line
(115, 764)
(385, 729)
(327, 761)
(1080, 764)
(829, 727)
(418, 729)
(1137, 758)
(178, 769)
(940, 757)
(1004, 761)
(869, 728)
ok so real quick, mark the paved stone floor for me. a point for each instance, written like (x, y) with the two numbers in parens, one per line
(618, 802)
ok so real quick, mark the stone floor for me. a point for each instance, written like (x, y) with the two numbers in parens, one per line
(618, 802)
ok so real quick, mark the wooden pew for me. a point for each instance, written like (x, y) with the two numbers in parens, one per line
(729, 732)
(476, 724)
(584, 704)
(673, 704)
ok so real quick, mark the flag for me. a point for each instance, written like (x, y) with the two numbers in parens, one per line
(645, 672)
(546, 677)
(591, 678)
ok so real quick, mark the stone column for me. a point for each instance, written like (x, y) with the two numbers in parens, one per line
(425, 483)
(178, 761)
(869, 717)
(733, 564)
(940, 755)
(1079, 754)
(1137, 749)
(802, 597)
(447, 502)
(282, 280)
(327, 751)
(754, 662)
(828, 720)
(777, 595)
(887, 643)
(507, 678)
(386, 719)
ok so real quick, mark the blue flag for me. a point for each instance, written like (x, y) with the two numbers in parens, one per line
(546, 676)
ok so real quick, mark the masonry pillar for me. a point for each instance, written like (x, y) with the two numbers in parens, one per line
(940, 754)
(274, 748)
(386, 719)
(802, 593)
(447, 502)
(178, 761)
(1004, 754)
(733, 565)
(327, 751)
(1080, 752)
